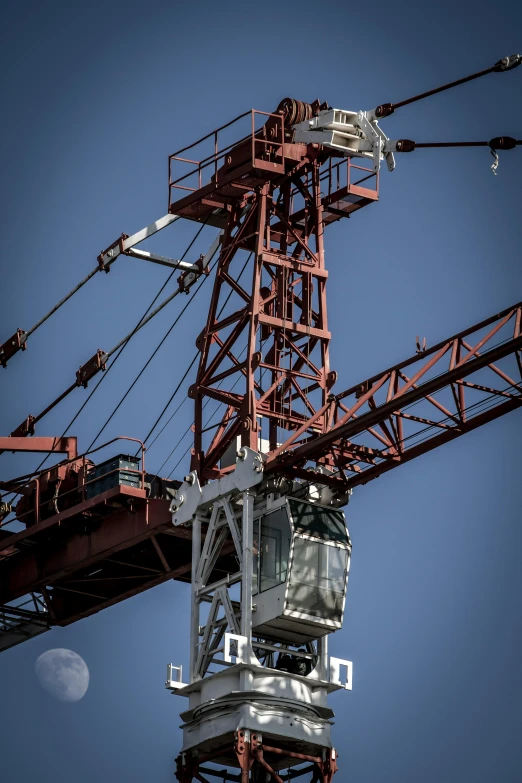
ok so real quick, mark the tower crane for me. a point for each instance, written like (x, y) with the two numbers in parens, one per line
(256, 525)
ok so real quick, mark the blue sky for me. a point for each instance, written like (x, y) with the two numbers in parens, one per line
(95, 97)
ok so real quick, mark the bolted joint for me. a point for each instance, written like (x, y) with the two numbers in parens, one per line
(200, 339)
(25, 428)
(329, 766)
(203, 269)
(331, 379)
(187, 279)
(13, 345)
(5, 509)
(362, 389)
(111, 253)
(246, 424)
(91, 368)
(177, 501)
(184, 768)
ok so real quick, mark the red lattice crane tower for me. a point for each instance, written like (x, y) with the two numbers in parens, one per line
(255, 525)
(269, 194)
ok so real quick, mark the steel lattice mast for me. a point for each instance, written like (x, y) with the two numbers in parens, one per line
(269, 196)
(283, 316)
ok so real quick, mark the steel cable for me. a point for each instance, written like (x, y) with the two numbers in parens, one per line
(191, 365)
(205, 425)
(179, 385)
(162, 341)
(123, 346)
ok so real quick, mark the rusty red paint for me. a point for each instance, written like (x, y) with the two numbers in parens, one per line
(66, 445)
(281, 223)
(433, 370)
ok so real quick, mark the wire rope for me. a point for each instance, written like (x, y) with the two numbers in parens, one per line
(155, 351)
(121, 346)
(179, 385)
(189, 428)
(191, 365)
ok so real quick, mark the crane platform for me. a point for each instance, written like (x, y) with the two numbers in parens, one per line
(263, 155)
(105, 538)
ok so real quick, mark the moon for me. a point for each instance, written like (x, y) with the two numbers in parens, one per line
(63, 673)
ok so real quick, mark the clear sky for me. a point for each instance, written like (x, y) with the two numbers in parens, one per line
(95, 96)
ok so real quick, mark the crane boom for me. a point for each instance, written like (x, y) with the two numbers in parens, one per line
(416, 405)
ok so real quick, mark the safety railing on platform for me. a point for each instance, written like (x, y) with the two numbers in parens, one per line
(345, 173)
(264, 139)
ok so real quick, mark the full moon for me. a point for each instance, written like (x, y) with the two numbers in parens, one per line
(63, 673)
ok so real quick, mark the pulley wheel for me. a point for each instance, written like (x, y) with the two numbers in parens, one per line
(294, 111)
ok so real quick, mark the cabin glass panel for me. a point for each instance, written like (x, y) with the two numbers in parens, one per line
(272, 537)
(325, 523)
(318, 579)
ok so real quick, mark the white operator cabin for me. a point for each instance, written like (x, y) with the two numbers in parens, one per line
(300, 571)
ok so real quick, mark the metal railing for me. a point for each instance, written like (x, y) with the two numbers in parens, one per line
(209, 165)
(33, 516)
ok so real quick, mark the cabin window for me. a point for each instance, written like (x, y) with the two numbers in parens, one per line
(317, 579)
(271, 550)
(325, 523)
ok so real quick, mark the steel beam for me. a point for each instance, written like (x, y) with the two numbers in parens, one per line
(62, 562)
(67, 445)
(366, 437)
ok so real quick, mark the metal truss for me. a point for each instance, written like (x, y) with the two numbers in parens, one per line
(413, 407)
(391, 418)
(224, 538)
(256, 761)
(224, 614)
(273, 340)
(23, 618)
(277, 311)
(93, 555)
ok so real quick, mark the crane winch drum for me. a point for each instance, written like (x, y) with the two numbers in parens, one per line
(300, 571)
